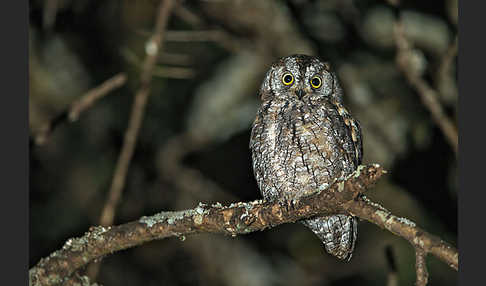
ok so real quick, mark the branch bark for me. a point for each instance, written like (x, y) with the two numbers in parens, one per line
(419, 238)
(239, 218)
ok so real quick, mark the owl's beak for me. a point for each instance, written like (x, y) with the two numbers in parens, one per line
(300, 93)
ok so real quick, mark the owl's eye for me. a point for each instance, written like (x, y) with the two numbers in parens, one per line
(316, 82)
(288, 79)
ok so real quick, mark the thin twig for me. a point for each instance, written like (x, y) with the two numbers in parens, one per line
(452, 11)
(175, 59)
(154, 45)
(195, 36)
(187, 16)
(164, 71)
(49, 13)
(174, 72)
(445, 82)
(428, 95)
(238, 218)
(219, 36)
(94, 95)
(392, 278)
(73, 112)
(421, 267)
(394, 3)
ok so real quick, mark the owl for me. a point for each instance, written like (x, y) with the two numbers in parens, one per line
(303, 139)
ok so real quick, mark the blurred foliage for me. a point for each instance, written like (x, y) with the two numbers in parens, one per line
(205, 87)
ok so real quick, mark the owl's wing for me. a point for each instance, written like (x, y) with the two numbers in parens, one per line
(256, 154)
(352, 125)
(354, 130)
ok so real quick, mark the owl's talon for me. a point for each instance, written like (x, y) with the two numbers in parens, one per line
(293, 203)
(284, 204)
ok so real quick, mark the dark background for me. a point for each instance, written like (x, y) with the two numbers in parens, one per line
(79, 44)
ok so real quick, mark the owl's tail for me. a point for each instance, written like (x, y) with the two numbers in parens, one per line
(337, 232)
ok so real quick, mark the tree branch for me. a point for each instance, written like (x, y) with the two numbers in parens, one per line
(221, 37)
(419, 238)
(153, 47)
(343, 196)
(445, 81)
(77, 107)
(427, 94)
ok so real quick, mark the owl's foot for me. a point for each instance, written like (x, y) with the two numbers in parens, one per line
(287, 204)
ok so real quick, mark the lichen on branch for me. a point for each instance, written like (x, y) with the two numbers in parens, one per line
(343, 196)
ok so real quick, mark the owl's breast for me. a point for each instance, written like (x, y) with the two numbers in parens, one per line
(299, 151)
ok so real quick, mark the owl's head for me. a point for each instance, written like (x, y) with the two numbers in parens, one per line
(300, 77)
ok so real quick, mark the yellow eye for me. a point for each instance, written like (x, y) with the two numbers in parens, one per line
(288, 79)
(316, 82)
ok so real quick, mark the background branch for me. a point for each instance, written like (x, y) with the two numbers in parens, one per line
(154, 45)
(392, 277)
(421, 267)
(73, 112)
(428, 95)
(445, 83)
(238, 218)
(153, 48)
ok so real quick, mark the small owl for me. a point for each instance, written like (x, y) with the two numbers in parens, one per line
(303, 139)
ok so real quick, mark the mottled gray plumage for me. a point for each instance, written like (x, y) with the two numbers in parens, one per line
(303, 139)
